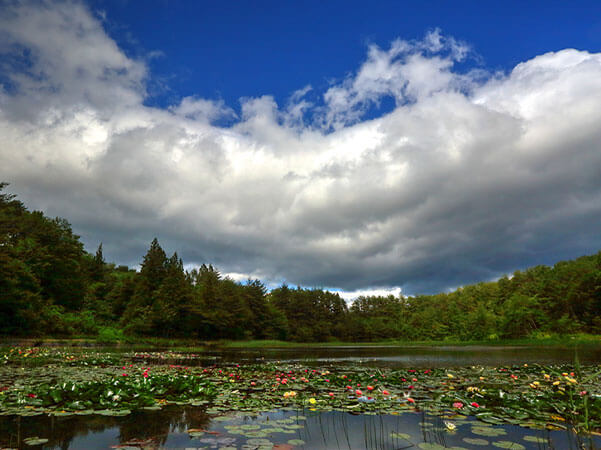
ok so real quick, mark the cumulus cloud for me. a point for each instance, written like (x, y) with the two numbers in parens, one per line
(471, 175)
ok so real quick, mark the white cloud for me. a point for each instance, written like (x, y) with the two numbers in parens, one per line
(466, 178)
(406, 72)
(349, 296)
(202, 110)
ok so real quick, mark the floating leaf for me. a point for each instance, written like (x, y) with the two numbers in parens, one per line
(475, 441)
(536, 439)
(431, 446)
(509, 444)
(400, 436)
(488, 431)
(35, 441)
(259, 442)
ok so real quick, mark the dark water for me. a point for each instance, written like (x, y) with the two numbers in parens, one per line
(306, 429)
(400, 357)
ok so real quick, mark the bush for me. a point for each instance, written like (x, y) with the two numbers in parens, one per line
(110, 334)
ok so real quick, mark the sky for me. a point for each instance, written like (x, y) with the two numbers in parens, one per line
(365, 147)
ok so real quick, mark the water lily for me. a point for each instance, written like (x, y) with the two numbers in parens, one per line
(312, 401)
(458, 405)
(289, 394)
(450, 426)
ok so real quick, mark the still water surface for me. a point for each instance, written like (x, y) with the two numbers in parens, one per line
(169, 428)
(191, 427)
(404, 357)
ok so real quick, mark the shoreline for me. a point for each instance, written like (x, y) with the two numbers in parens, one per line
(569, 341)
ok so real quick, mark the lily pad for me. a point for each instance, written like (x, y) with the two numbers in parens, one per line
(536, 439)
(35, 441)
(475, 441)
(509, 444)
(400, 436)
(488, 431)
(431, 446)
(259, 442)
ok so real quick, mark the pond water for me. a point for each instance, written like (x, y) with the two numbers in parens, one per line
(191, 427)
(414, 357)
(195, 427)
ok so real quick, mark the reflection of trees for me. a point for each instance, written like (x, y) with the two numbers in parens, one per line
(153, 426)
(157, 425)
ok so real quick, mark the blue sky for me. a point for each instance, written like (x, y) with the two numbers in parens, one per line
(388, 147)
(229, 50)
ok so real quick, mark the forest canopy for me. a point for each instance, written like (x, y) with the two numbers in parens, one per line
(50, 286)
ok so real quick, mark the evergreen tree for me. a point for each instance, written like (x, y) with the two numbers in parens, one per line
(152, 273)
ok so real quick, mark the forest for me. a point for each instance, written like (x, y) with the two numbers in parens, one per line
(51, 287)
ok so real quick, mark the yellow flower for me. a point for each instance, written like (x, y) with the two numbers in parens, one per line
(450, 375)
(547, 376)
(289, 394)
(450, 426)
(312, 401)
(555, 383)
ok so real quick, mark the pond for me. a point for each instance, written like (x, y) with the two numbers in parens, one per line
(323, 398)
(412, 357)
(189, 427)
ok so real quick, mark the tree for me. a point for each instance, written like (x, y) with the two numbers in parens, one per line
(170, 299)
(152, 273)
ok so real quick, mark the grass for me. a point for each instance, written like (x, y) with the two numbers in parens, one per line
(570, 341)
(109, 339)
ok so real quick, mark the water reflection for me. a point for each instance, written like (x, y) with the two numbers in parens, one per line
(170, 427)
(396, 357)
(149, 428)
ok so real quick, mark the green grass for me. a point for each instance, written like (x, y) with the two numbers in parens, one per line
(115, 338)
(571, 341)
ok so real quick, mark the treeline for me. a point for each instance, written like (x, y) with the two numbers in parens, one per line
(50, 286)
